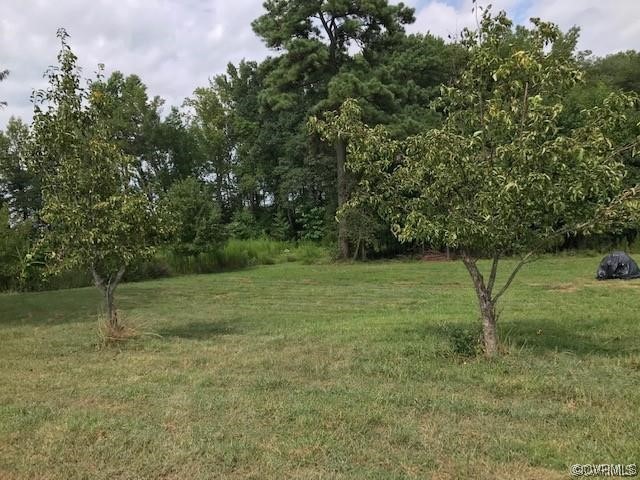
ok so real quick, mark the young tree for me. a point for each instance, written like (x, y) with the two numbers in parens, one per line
(499, 177)
(95, 217)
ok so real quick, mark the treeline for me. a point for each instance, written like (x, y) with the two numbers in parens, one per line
(236, 160)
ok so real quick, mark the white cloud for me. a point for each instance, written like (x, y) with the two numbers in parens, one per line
(173, 45)
(606, 27)
(177, 45)
(445, 20)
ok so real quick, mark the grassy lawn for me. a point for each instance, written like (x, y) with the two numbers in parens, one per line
(322, 372)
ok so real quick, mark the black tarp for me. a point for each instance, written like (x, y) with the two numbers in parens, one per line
(618, 265)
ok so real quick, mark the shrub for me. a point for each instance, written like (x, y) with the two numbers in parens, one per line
(243, 226)
(14, 243)
(313, 224)
(310, 253)
(466, 341)
(233, 255)
(203, 262)
(259, 251)
(280, 228)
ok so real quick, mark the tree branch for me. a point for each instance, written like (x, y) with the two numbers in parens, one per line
(113, 285)
(525, 108)
(527, 259)
(624, 148)
(472, 267)
(326, 28)
(97, 279)
(494, 272)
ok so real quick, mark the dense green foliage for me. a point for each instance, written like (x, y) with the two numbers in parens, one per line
(19, 186)
(192, 209)
(14, 246)
(237, 161)
(323, 372)
(354, 139)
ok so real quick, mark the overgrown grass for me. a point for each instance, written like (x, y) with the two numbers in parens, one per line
(237, 254)
(233, 255)
(323, 371)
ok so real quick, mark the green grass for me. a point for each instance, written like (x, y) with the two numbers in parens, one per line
(322, 372)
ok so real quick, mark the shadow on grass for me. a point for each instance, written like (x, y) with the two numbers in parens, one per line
(58, 307)
(549, 335)
(543, 335)
(49, 308)
(202, 330)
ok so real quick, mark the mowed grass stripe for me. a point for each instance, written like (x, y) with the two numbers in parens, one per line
(324, 371)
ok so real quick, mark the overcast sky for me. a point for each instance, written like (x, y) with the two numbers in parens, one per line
(177, 45)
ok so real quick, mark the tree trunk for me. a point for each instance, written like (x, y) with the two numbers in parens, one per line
(487, 306)
(112, 314)
(219, 187)
(343, 196)
(355, 253)
(489, 330)
(108, 290)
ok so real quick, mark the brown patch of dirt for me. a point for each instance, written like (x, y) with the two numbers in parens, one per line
(564, 288)
(621, 284)
(435, 257)
(405, 284)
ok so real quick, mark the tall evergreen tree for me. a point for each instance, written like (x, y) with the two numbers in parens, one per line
(319, 38)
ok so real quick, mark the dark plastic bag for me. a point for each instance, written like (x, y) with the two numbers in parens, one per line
(618, 265)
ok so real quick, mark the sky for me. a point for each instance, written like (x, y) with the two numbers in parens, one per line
(178, 45)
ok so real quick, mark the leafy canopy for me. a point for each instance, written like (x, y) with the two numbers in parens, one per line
(337, 23)
(499, 176)
(95, 216)
(319, 38)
